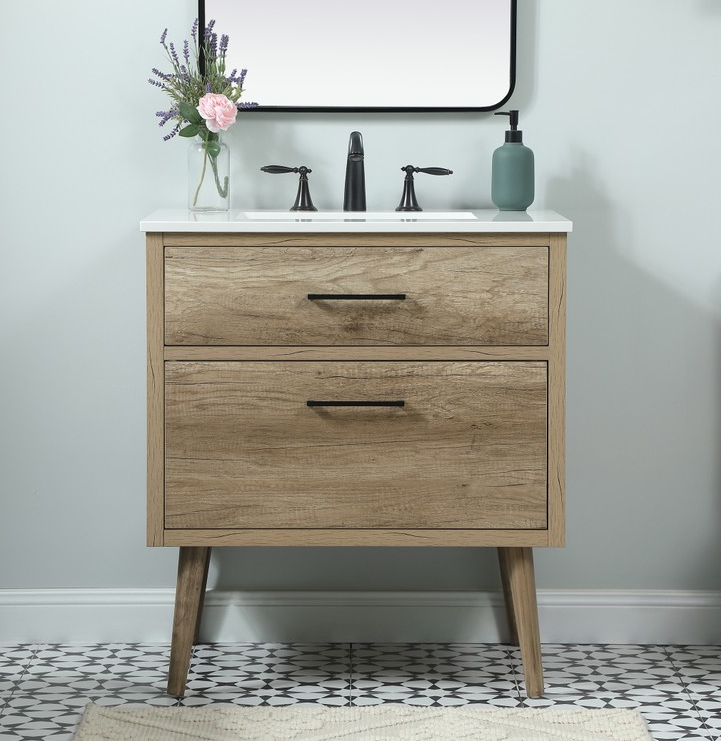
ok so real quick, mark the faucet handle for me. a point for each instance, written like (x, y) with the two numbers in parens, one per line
(434, 170)
(278, 169)
(303, 201)
(408, 198)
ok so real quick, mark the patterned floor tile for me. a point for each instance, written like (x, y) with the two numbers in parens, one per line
(699, 667)
(432, 674)
(49, 716)
(138, 670)
(587, 670)
(674, 720)
(269, 674)
(14, 660)
(700, 670)
(676, 688)
(631, 676)
(709, 709)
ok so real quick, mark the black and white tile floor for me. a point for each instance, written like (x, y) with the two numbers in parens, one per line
(43, 688)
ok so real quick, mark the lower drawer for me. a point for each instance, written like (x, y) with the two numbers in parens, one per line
(452, 445)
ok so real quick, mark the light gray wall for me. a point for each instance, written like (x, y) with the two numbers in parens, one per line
(620, 103)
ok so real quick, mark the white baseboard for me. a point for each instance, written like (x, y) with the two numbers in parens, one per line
(568, 616)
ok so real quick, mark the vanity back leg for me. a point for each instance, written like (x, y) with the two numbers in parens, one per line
(196, 636)
(507, 599)
(192, 575)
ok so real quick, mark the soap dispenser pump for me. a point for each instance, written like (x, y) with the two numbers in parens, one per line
(512, 178)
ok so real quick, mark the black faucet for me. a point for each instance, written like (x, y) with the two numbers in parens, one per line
(303, 201)
(408, 197)
(354, 196)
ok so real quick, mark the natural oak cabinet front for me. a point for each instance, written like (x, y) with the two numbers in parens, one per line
(341, 388)
(467, 449)
(451, 295)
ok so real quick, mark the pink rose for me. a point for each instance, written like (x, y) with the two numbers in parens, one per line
(219, 112)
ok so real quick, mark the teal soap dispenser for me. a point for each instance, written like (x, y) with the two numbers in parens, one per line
(512, 171)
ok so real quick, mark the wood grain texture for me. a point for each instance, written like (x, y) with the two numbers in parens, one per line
(557, 393)
(259, 296)
(553, 352)
(201, 605)
(155, 390)
(343, 352)
(522, 587)
(356, 537)
(507, 595)
(376, 239)
(468, 450)
(192, 566)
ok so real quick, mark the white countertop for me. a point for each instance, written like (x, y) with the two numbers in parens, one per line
(485, 220)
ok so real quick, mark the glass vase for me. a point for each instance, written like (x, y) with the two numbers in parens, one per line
(208, 174)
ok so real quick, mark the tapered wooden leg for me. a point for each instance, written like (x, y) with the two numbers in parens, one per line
(192, 564)
(507, 599)
(196, 635)
(522, 582)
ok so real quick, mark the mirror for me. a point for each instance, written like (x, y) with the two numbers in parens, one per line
(379, 55)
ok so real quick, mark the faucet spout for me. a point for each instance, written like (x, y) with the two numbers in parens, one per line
(354, 196)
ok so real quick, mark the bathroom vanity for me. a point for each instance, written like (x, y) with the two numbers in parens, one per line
(357, 379)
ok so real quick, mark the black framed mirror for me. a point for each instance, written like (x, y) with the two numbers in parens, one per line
(381, 55)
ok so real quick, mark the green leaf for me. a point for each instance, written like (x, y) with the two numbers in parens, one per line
(189, 113)
(190, 130)
(213, 149)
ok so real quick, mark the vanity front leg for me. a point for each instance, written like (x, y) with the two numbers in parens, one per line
(189, 596)
(524, 612)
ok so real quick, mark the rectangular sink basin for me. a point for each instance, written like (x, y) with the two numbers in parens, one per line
(359, 215)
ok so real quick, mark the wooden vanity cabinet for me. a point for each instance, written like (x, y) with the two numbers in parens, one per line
(359, 389)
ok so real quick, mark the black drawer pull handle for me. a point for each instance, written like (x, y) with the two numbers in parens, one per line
(314, 403)
(357, 296)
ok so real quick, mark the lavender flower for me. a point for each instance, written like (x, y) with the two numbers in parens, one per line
(186, 51)
(224, 39)
(194, 30)
(233, 78)
(165, 116)
(163, 36)
(174, 54)
(172, 133)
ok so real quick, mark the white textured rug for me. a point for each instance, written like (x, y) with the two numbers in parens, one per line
(375, 723)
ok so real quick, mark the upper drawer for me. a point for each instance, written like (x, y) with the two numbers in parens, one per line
(452, 296)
